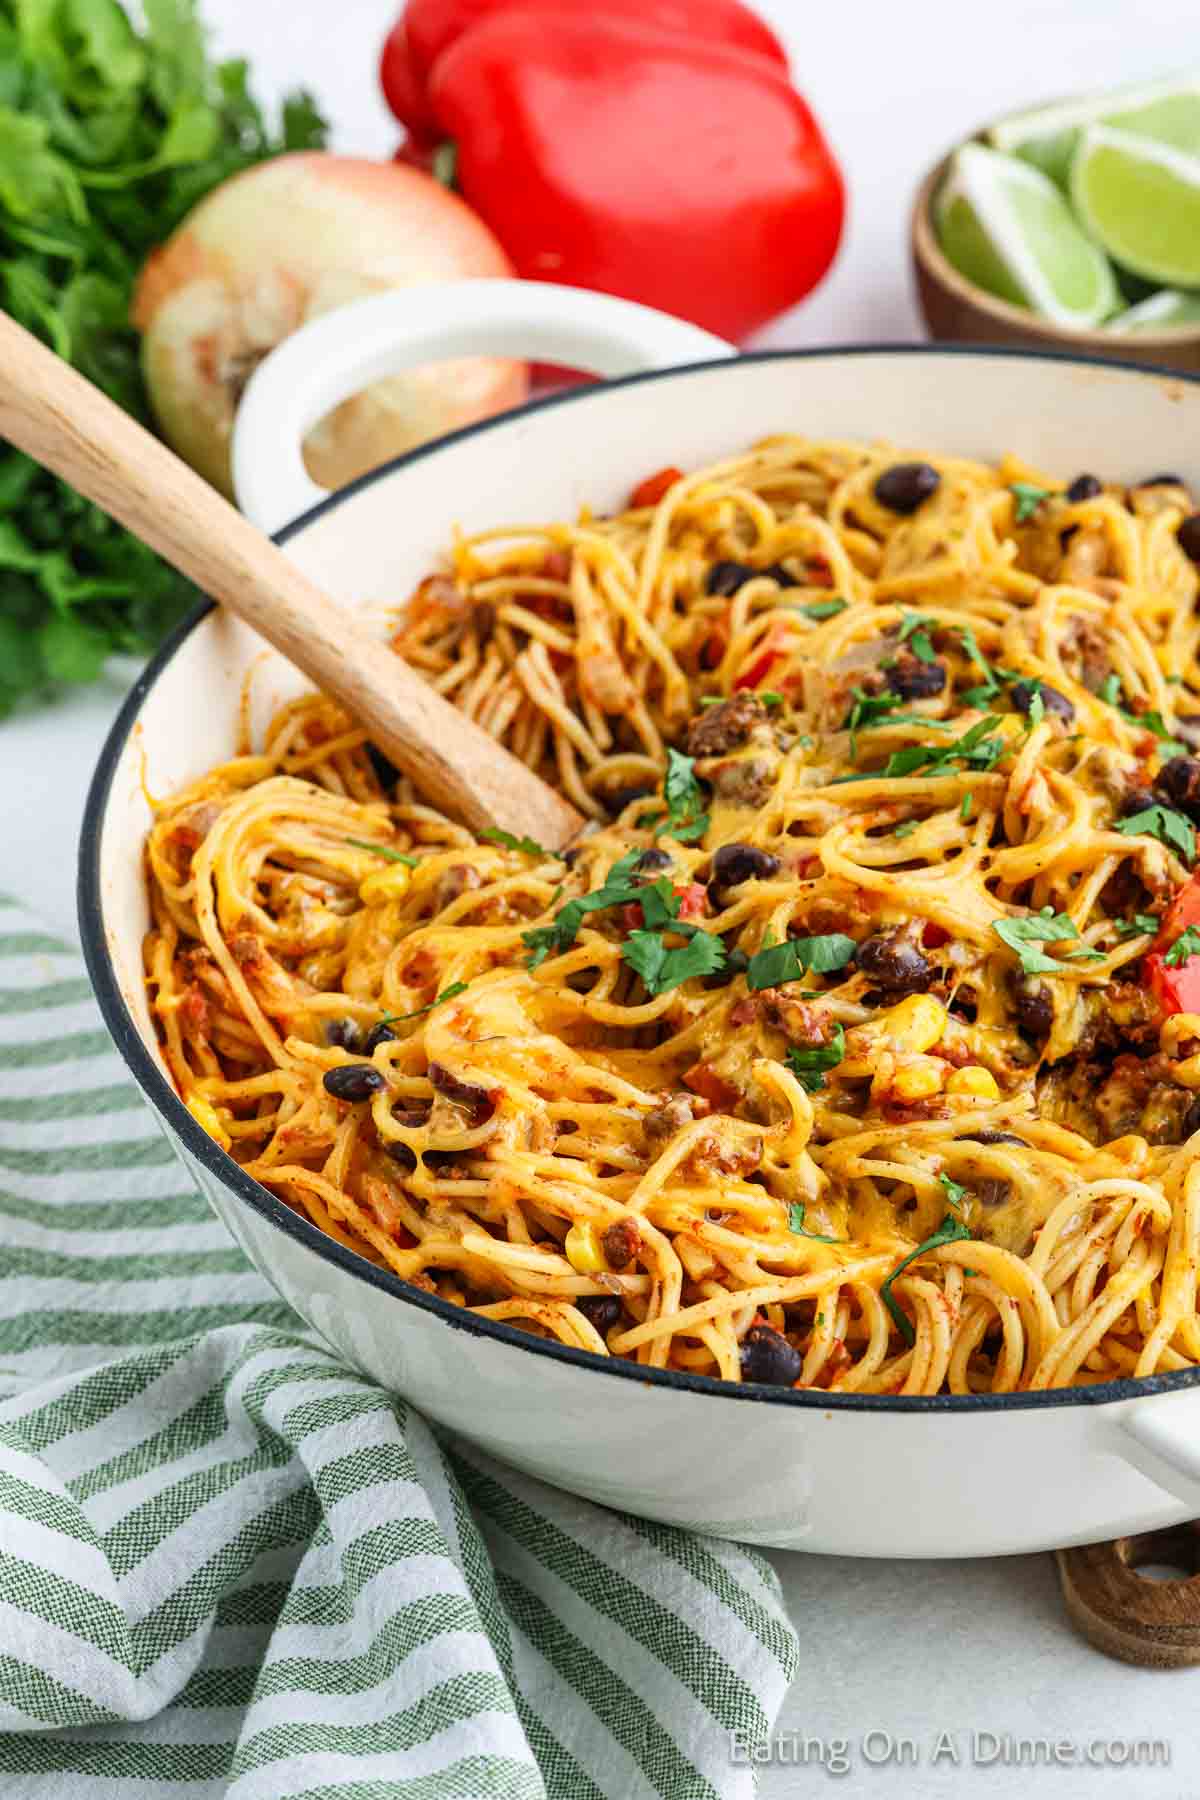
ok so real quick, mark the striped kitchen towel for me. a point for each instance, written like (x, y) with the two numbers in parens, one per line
(230, 1565)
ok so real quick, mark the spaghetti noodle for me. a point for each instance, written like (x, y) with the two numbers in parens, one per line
(851, 1046)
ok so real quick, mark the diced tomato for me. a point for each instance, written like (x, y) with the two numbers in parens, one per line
(632, 917)
(1176, 989)
(818, 572)
(693, 900)
(651, 491)
(933, 937)
(703, 1079)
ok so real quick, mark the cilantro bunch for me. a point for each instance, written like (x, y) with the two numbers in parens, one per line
(109, 135)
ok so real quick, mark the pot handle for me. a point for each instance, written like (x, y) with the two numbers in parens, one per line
(343, 352)
(1162, 1439)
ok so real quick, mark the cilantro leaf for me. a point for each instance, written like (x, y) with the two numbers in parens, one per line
(1028, 498)
(392, 856)
(686, 819)
(1110, 690)
(1140, 924)
(950, 1231)
(796, 1214)
(822, 609)
(1037, 705)
(1022, 935)
(1186, 945)
(809, 1065)
(777, 963)
(1164, 823)
(450, 993)
(907, 828)
(955, 1192)
(619, 889)
(974, 750)
(528, 845)
(914, 631)
(662, 969)
(768, 697)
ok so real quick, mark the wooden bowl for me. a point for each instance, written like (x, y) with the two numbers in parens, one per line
(956, 310)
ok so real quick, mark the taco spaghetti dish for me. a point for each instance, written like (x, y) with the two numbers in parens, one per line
(856, 1045)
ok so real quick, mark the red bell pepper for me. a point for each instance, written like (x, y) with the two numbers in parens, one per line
(428, 27)
(607, 152)
(1176, 988)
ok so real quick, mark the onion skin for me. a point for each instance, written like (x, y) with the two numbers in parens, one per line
(282, 244)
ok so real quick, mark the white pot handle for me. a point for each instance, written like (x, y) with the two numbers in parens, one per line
(1165, 1434)
(338, 355)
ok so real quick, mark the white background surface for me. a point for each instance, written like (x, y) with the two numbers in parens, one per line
(909, 1649)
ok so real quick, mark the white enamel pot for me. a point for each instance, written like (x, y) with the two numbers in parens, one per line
(865, 1476)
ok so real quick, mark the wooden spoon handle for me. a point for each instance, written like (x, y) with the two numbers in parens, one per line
(1155, 1624)
(70, 427)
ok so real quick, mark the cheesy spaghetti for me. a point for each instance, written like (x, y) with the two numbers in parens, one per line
(857, 1043)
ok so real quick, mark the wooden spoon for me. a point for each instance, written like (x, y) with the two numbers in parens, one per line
(71, 428)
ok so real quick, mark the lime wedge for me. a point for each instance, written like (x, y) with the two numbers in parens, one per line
(1006, 227)
(1141, 200)
(1158, 312)
(1048, 136)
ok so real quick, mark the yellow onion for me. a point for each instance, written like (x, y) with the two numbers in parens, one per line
(280, 245)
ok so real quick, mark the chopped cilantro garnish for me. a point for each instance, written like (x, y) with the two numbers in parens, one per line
(964, 811)
(907, 828)
(809, 1066)
(450, 993)
(686, 819)
(1187, 944)
(955, 1193)
(796, 1212)
(867, 708)
(769, 697)
(1023, 935)
(394, 856)
(777, 963)
(950, 1231)
(974, 750)
(914, 631)
(823, 609)
(661, 969)
(528, 845)
(618, 890)
(1110, 690)
(1028, 498)
(1165, 824)
(1037, 706)
(1140, 925)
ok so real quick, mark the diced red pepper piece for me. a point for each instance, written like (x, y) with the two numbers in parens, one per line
(693, 900)
(651, 491)
(1176, 989)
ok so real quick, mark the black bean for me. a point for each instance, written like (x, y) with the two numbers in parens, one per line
(1187, 727)
(1178, 784)
(1188, 535)
(767, 1356)
(652, 860)
(725, 578)
(1162, 481)
(905, 486)
(344, 1034)
(475, 1099)
(1055, 704)
(1191, 1118)
(1034, 1008)
(1135, 800)
(914, 679)
(602, 1309)
(403, 1155)
(353, 1081)
(735, 863)
(893, 962)
(386, 772)
(620, 798)
(990, 1137)
(1084, 487)
(378, 1034)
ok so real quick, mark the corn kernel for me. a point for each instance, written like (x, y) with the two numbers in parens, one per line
(917, 1081)
(977, 1081)
(385, 884)
(209, 1119)
(915, 1024)
(583, 1250)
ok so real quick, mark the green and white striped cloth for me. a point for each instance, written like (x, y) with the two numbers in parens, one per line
(230, 1565)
